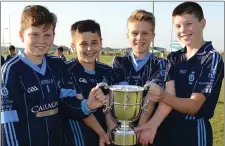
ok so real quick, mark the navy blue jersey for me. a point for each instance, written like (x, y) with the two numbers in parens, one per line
(202, 73)
(63, 58)
(131, 71)
(139, 71)
(9, 57)
(32, 98)
(77, 132)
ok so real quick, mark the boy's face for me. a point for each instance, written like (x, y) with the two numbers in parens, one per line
(188, 29)
(88, 46)
(59, 53)
(37, 41)
(140, 35)
(12, 52)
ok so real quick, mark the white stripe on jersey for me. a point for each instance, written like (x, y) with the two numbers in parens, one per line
(24, 97)
(6, 69)
(74, 133)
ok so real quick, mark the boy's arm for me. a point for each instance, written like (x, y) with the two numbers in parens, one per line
(149, 129)
(73, 107)
(9, 99)
(158, 77)
(211, 76)
(92, 123)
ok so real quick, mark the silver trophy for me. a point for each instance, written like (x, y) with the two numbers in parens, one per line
(125, 105)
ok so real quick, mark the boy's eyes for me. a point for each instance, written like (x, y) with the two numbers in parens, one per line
(94, 43)
(34, 34)
(143, 33)
(47, 35)
(83, 44)
(134, 33)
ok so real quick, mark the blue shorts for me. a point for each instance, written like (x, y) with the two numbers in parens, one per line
(184, 132)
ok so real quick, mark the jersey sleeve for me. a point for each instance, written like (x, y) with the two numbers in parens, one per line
(9, 99)
(158, 76)
(170, 68)
(211, 74)
(70, 106)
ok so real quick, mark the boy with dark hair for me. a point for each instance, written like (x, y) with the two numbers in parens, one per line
(195, 75)
(87, 40)
(12, 53)
(36, 87)
(60, 53)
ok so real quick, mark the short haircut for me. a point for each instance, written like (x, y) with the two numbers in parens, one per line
(60, 49)
(85, 26)
(142, 15)
(11, 47)
(37, 15)
(189, 7)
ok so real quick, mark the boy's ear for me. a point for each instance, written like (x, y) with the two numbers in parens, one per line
(73, 46)
(127, 34)
(153, 35)
(21, 36)
(203, 23)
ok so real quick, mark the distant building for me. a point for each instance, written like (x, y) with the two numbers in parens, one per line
(175, 46)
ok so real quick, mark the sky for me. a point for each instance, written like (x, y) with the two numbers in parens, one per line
(112, 17)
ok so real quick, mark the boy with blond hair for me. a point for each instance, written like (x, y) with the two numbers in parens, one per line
(140, 67)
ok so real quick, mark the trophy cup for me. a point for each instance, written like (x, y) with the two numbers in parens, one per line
(125, 105)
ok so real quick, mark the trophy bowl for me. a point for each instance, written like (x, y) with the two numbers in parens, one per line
(125, 105)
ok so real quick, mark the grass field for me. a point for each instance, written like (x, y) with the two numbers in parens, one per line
(218, 119)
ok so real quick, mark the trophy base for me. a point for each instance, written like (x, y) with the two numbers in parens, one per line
(124, 136)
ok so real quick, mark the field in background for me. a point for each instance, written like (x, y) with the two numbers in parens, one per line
(217, 121)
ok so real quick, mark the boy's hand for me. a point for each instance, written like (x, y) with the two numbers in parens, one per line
(147, 133)
(104, 139)
(155, 92)
(96, 98)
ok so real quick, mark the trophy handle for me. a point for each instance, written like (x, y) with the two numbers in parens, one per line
(144, 108)
(105, 89)
(146, 87)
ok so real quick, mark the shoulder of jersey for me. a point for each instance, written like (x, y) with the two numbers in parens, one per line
(103, 65)
(12, 63)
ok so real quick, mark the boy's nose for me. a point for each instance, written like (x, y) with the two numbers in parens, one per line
(89, 48)
(41, 40)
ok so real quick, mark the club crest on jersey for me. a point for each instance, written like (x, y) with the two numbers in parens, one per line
(212, 74)
(191, 78)
(4, 92)
(162, 72)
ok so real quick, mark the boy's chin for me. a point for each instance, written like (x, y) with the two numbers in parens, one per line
(89, 60)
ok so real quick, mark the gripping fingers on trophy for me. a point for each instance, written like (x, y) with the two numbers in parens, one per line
(146, 88)
(105, 89)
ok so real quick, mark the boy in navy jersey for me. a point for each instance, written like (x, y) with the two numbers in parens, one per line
(195, 76)
(87, 40)
(141, 67)
(37, 87)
